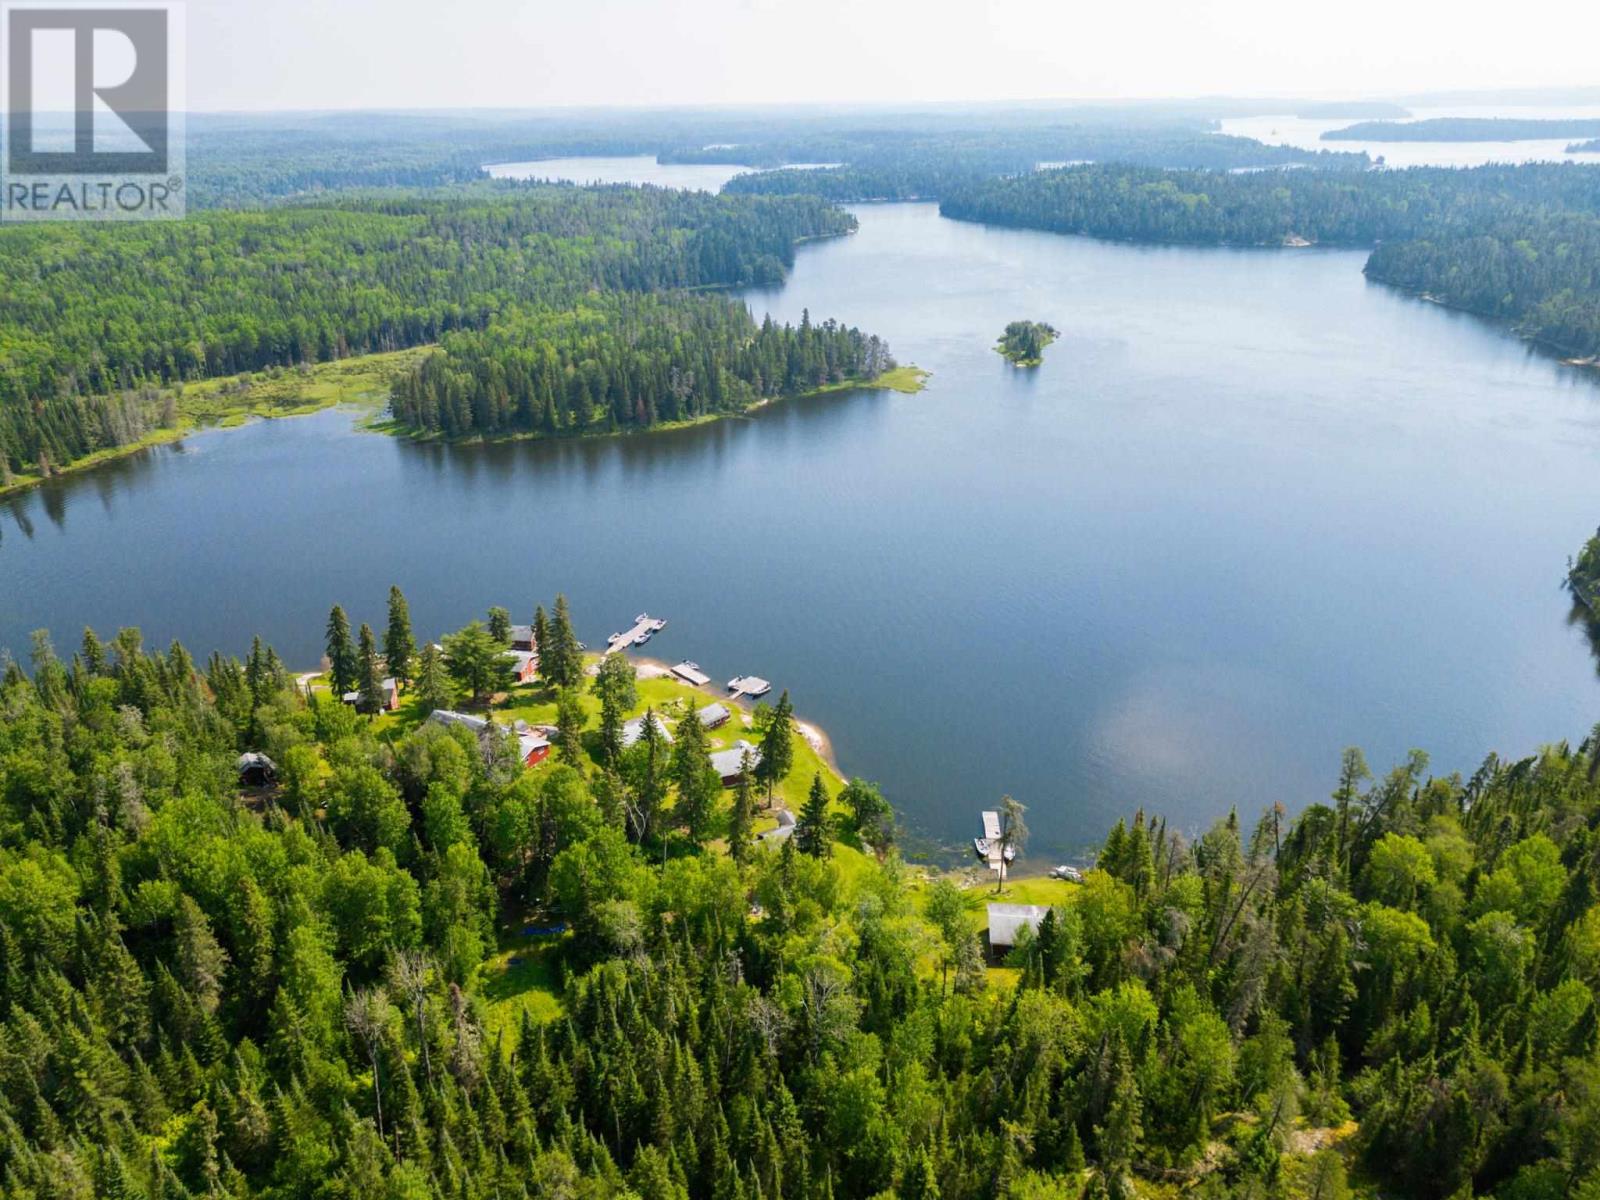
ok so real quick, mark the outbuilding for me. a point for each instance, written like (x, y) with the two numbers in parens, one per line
(525, 665)
(728, 763)
(714, 716)
(391, 696)
(1007, 920)
(256, 769)
(633, 730)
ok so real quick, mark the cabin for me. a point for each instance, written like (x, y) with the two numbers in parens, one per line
(256, 770)
(714, 716)
(522, 638)
(525, 665)
(533, 745)
(726, 763)
(633, 730)
(1007, 920)
(391, 696)
(691, 674)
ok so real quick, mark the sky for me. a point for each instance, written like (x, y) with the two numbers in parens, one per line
(254, 55)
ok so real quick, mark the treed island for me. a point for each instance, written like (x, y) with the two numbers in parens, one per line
(1023, 342)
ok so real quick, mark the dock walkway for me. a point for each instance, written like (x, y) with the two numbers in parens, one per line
(644, 628)
(748, 685)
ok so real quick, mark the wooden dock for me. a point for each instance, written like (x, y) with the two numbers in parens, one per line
(748, 685)
(643, 629)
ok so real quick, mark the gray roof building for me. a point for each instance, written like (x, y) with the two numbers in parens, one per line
(1005, 920)
(633, 730)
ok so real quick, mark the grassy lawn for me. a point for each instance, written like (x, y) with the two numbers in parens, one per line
(293, 391)
(521, 977)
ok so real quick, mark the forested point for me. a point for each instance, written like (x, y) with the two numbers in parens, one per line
(95, 320)
(932, 167)
(1023, 342)
(1583, 576)
(223, 976)
(1465, 129)
(1590, 147)
(625, 361)
(1520, 243)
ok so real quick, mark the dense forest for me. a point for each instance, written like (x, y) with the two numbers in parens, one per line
(624, 361)
(241, 160)
(1520, 243)
(1465, 129)
(933, 166)
(92, 316)
(216, 988)
(1590, 147)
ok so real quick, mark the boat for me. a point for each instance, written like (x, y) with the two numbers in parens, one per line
(644, 637)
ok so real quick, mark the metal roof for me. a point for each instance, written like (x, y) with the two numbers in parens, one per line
(633, 730)
(726, 762)
(1006, 919)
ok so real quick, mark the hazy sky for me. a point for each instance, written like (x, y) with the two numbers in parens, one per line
(251, 54)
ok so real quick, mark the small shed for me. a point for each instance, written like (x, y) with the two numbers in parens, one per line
(522, 637)
(727, 763)
(391, 696)
(534, 747)
(1006, 920)
(524, 665)
(256, 769)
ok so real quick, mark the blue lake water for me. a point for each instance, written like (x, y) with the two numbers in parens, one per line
(1250, 511)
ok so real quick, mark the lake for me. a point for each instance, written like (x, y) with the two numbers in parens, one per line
(1251, 510)
(1306, 132)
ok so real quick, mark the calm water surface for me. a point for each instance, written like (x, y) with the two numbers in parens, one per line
(1307, 133)
(1251, 510)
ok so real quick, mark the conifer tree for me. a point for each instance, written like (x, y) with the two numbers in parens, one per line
(500, 625)
(370, 675)
(740, 836)
(565, 668)
(541, 639)
(694, 777)
(433, 680)
(777, 746)
(813, 831)
(341, 652)
(569, 728)
(399, 648)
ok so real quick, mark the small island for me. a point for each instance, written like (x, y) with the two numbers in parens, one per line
(1023, 342)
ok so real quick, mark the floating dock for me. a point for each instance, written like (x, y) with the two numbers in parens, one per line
(748, 685)
(988, 846)
(644, 628)
(691, 673)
